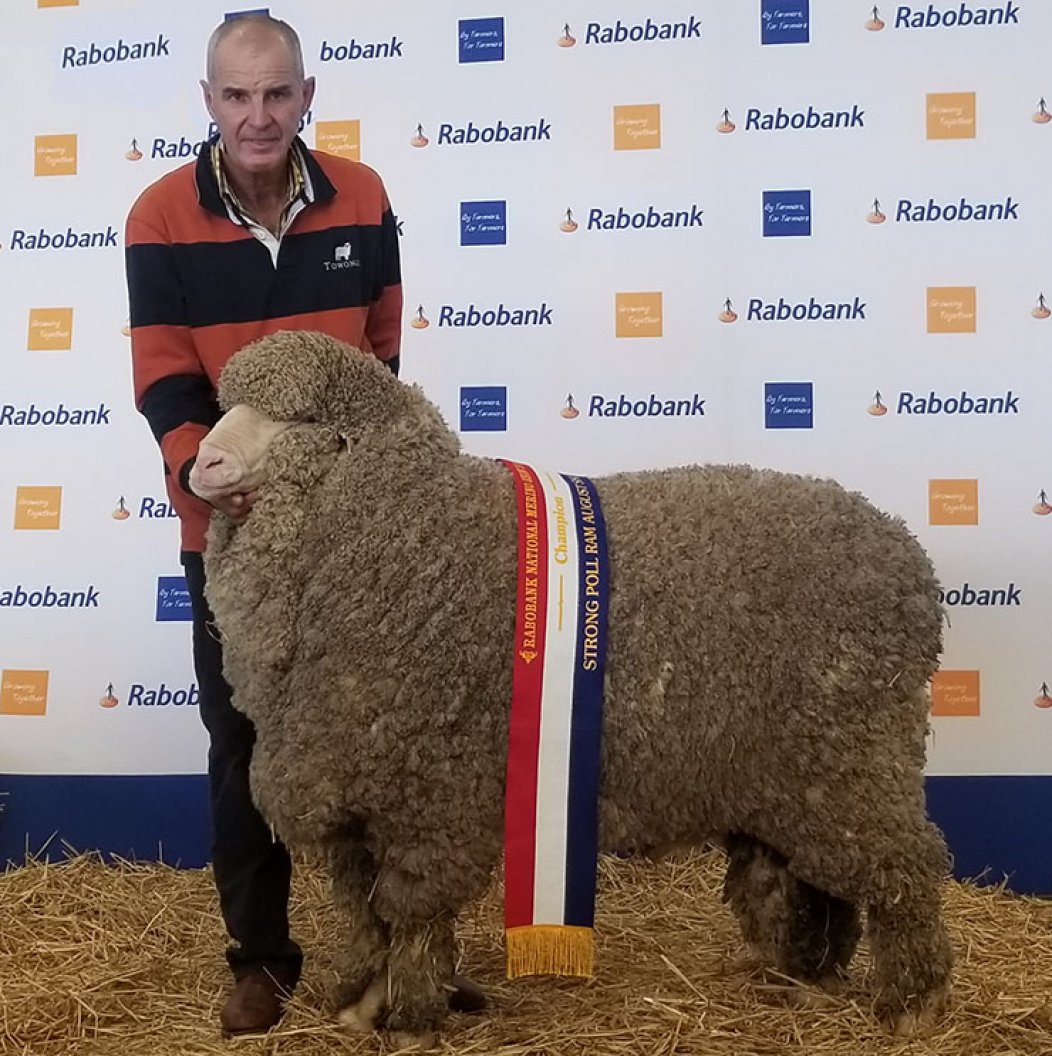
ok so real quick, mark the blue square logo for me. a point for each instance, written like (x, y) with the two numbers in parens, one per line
(785, 22)
(173, 599)
(788, 405)
(481, 39)
(483, 223)
(483, 409)
(786, 214)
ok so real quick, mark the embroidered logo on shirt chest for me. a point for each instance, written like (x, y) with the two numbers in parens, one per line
(341, 258)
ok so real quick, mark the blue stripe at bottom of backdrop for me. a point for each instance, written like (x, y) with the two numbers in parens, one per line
(995, 826)
(146, 819)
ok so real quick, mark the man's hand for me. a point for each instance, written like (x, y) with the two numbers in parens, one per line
(237, 507)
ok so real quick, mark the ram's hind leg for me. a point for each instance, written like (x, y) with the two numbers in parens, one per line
(808, 935)
(912, 955)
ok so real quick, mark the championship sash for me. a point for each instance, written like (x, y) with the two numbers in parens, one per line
(551, 803)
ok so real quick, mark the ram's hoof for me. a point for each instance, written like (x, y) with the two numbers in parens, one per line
(361, 1017)
(404, 1040)
(919, 1020)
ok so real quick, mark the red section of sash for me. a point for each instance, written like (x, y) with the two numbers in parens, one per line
(520, 819)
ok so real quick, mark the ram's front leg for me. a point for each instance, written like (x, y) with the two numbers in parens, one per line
(362, 960)
(419, 970)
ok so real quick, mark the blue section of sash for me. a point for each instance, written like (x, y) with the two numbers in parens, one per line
(586, 726)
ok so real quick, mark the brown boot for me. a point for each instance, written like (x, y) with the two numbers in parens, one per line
(466, 996)
(255, 1005)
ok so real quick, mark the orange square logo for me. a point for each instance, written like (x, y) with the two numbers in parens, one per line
(953, 501)
(639, 315)
(23, 692)
(55, 156)
(38, 508)
(955, 693)
(637, 127)
(58, 3)
(951, 310)
(951, 115)
(50, 329)
(342, 138)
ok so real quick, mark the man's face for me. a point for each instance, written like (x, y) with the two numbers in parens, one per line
(256, 98)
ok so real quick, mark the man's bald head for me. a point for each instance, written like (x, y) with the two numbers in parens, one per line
(254, 29)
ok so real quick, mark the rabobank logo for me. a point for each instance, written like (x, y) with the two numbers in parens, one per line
(645, 32)
(470, 133)
(486, 316)
(1041, 309)
(480, 40)
(149, 508)
(637, 405)
(354, 50)
(109, 52)
(483, 409)
(23, 692)
(55, 155)
(20, 596)
(960, 403)
(30, 415)
(484, 223)
(809, 118)
(787, 214)
(419, 321)
(68, 238)
(38, 508)
(1042, 507)
(109, 699)
(162, 695)
(944, 16)
(788, 405)
(785, 21)
(1043, 698)
(649, 217)
(1041, 115)
(961, 210)
(967, 595)
(811, 309)
(173, 600)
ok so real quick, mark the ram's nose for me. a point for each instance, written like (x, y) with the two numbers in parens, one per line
(214, 470)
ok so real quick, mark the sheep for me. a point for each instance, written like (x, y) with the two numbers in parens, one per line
(771, 640)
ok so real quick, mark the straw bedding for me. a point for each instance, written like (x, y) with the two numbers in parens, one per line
(127, 959)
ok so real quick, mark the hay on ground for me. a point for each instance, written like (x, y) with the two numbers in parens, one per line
(127, 960)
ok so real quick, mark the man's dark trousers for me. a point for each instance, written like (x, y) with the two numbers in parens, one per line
(252, 870)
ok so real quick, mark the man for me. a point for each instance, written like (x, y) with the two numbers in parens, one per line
(258, 235)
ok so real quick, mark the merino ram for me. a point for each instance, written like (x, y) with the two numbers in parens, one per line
(771, 640)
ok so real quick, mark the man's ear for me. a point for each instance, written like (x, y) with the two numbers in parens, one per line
(309, 85)
(206, 93)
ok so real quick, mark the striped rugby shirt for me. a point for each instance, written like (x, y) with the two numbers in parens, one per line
(201, 286)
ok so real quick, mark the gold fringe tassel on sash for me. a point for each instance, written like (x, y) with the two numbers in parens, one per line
(550, 949)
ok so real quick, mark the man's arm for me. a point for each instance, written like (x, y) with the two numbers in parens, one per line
(172, 390)
(383, 327)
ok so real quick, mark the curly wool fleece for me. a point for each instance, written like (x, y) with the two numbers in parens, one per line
(771, 637)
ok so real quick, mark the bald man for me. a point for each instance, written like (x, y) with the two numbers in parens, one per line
(259, 234)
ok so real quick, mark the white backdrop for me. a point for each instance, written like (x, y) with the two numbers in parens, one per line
(917, 112)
